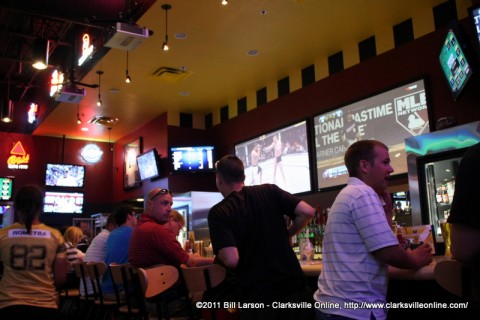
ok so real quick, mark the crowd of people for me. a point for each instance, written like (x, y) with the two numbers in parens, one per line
(250, 239)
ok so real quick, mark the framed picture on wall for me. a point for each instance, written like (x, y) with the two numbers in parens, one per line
(131, 175)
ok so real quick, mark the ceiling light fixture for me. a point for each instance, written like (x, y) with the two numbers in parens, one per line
(224, 2)
(40, 53)
(99, 101)
(7, 107)
(166, 7)
(127, 76)
(79, 121)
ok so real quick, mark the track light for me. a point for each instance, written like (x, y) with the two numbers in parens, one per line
(99, 101)
(127, 76)
(166, 7)
(40, 53)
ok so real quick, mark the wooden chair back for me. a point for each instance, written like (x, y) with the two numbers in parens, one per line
(157, 279)
(200, 279)
(126, 282)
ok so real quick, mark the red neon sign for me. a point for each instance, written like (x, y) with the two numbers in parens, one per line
(18, 159)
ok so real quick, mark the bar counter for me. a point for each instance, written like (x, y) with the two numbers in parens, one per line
(314, 268)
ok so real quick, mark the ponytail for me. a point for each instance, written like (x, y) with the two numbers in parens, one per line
(28, 204)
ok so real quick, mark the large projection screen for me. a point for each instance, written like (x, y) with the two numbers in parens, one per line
(389, 117)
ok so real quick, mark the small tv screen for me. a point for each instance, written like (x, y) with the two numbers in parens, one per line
(192, 159)
(280, 157)
(455, 61)
(63, 202)
(474, 13)
(148, 165)
(65, 175)
(6, 183)
(390, 116)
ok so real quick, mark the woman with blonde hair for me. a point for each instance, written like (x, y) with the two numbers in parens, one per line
(73, 235)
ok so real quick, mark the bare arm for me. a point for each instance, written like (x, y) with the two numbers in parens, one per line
(465, 241)
(303, 214)
(196, 260)
(229, 257)
(398, 257)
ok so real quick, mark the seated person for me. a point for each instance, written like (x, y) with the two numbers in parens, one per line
(97, 249)
(117, 244)
(29, 293)
(153, 242)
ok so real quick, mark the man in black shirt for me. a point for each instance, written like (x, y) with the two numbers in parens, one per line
(249, 236)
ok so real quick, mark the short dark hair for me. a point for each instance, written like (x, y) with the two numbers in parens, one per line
(121, 213)
(361, 150)
(231, 169)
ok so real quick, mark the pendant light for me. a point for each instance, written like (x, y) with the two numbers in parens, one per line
(127, 76)
(40, 53)
(99, 101)
(166, 7)
(7, 107)
(79, 121)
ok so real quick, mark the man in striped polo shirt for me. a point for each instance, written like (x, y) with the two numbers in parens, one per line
(359, 243)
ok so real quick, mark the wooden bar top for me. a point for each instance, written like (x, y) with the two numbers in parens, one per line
(314, 268)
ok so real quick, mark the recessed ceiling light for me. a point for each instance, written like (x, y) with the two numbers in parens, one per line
(252, 52)
(84, 129)
(263, 11)
(184, 93)
(180, 35)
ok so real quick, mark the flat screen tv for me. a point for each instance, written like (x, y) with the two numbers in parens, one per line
(455, 60)
(192, 159)
(63, 202)
(474, 14)
(65, 175)
(148, 164)
(280, 157)
(390, 117)
(6, 185)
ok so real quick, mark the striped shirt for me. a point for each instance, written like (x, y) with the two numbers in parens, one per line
(356, 227)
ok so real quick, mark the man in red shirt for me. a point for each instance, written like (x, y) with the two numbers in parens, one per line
(153, 242)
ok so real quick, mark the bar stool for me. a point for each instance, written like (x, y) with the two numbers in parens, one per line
(199, 280)
(128, 291)
(154, 282)
(86, 301)
(96, 270)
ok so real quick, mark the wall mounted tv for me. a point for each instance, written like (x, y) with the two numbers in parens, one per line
(63, 202)
(6, 191)
(280, 157)
(474, 14)
(192, 159)
(148, 164)
(390, 117)
(455, 60)
(64, 175)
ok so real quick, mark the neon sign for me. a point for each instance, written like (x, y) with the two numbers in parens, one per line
(18, 159)
(87, 49)
(56, 82)
(32, 112)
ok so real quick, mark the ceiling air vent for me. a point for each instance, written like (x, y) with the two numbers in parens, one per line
(170, 74)
(104, 121)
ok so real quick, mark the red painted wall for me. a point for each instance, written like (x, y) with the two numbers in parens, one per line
(43, 150)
